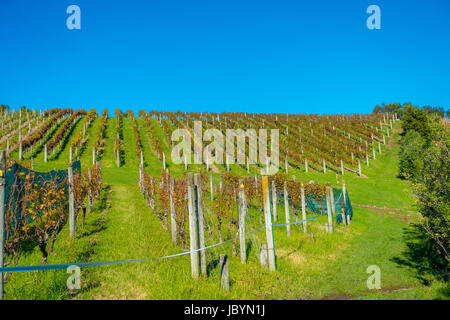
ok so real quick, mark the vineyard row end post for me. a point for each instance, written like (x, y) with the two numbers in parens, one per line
(242, 212)
(200, 221)
(268, 222)
(72, 219)
(193, 239)
(286, 209)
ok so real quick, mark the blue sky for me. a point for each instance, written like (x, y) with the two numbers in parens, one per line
(217, 55)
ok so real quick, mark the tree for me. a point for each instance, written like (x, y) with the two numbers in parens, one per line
(411, 154)
(377, 109)
(432, 192)
(416, 119)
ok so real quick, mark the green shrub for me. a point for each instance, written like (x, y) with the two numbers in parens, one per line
(432, 189)
(417, 120)
(411, 154)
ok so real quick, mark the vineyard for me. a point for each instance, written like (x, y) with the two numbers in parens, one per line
(85, 187)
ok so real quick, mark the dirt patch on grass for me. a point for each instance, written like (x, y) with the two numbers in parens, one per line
(387, 212)
(374, 207)
(344, 296)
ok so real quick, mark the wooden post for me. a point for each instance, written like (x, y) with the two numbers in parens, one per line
(90, 202)
(344, 208)
(329, 213)
(224, 272)
(268, 220)
(367, 159)
(263, 255)
(306, 165)
(200, 221)
(286, 165)
(72, 220)
(32, 163)
(164, 161)
(93, 155)
(2, 216)
(324, 166)
(302, 191)
(333, 206)
(185, 163)
(342, 167)
(359, 168)
(242, 213)
(70, 155)
(193, 240)
(173, 223)
(274, 201)
(220, 183)
(211, 186)
(286, 209)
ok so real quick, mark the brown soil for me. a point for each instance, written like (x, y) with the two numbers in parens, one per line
(344, 296)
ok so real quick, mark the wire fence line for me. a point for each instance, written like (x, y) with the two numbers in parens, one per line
(103, 263)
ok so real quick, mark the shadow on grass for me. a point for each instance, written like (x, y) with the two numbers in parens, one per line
(421, 257)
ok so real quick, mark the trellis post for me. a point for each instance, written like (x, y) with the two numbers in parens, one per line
(2, 216)
(173, 224)
(193, 240)
(45, 153)
(329, 213)
(268, 221)
(93, 155)
(274, 201)
(200, 220)
(344, 208)
(224, 272)
(90, 202)
(211, 186)
(333, 208)
(286, 209)
(302, 191)
(72, 220)
(242, 212)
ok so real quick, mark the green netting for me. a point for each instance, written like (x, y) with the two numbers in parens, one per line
(16, 178)
(340, 204)
(319, 206)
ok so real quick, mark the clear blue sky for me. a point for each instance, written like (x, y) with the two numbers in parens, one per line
(225, 55)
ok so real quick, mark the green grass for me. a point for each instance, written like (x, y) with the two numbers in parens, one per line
(327, 265)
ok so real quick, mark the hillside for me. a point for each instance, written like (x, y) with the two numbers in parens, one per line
(311, 265)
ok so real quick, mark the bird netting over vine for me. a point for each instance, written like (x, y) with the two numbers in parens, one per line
(21, 182)
(341, 204)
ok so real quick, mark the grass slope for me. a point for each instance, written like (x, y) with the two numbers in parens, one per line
(309, 267)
